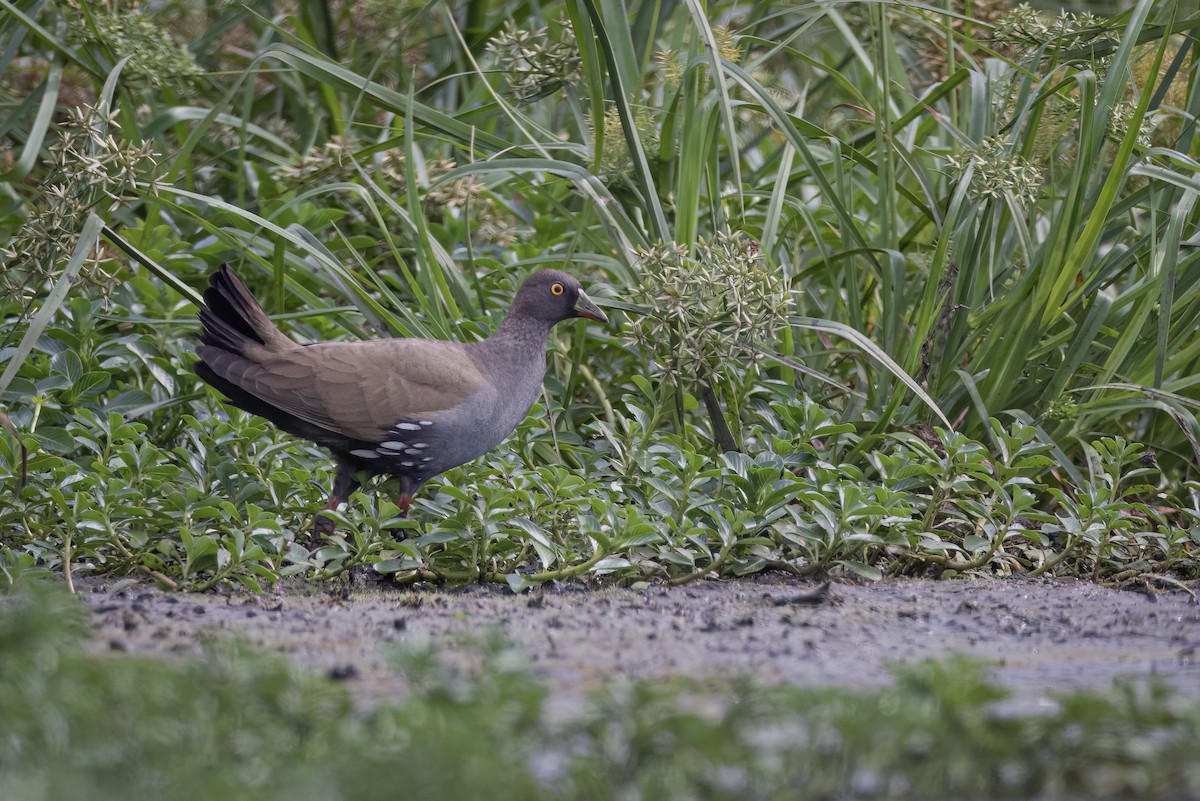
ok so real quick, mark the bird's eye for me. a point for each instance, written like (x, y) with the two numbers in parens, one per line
(557, 289)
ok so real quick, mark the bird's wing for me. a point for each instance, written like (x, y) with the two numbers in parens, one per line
(358, 389)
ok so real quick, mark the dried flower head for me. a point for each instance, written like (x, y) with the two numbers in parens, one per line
(156, 59)
(999, 172)
(1046, 42)
(394, 35)
(1167, 121)
(927, 30)
(452, 195)
(90, 169)
(333, 160)
(387, 20)
(1143, 64)
(1060, 117)
(707, 310)
(493, 223)
(753, 114)
(533, 65)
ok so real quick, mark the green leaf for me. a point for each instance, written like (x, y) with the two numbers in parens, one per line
(56, 440)
(973, 542)
(518, 583)
(863, 571)
(68, 364)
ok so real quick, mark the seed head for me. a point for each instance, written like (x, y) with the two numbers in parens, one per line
(709, 310)
(90, 169)
(1120, 118)
(333, 160)
(156, 59)
(1035, 36)
(616, 162)
(728, 47)
(998, 172)
(670, 66)
(532, 64)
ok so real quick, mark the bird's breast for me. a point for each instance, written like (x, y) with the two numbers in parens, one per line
(425, 445)
(489, 416)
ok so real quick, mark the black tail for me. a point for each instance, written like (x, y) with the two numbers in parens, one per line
(231, 318)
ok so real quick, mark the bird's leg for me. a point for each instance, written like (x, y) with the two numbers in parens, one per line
(323, 525)
(407, 487)
(344, 484)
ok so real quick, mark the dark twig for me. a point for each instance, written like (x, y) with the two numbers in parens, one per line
(721, 432)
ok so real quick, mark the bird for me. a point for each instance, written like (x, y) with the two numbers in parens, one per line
(407, 407)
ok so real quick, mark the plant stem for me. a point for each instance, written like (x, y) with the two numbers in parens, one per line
(1058, 557)
(721, 432)
(715, 564)
(67, 564)
(573, 570)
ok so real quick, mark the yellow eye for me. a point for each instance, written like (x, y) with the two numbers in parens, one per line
(557, 289)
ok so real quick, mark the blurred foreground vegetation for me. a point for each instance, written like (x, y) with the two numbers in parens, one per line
(235, 724)
(896, 290)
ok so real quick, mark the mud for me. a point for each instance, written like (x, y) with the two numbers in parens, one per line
(1039, 636)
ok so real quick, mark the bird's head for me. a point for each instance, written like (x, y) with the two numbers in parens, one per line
(553, 296)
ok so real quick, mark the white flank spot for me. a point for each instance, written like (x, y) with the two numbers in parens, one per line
(413, 452)
(421, 446)
(408, 426)
(366, 454)
(407, 464)
(427, 459)
(426, 422)
(393, 445)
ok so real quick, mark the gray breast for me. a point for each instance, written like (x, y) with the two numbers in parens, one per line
(474, 427)
(433, 444)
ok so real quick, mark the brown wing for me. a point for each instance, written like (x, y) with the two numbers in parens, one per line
(358, 389)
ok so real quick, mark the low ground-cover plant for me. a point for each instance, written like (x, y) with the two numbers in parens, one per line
(241, 724)
(231, 499)
(894, 291)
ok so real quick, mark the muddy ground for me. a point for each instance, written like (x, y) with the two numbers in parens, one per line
(1040, 636)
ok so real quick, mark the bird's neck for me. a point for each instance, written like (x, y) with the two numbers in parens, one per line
(522, 332)
(514, 356)
(515, 353)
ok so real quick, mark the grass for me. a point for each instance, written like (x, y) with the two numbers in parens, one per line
(895, 290)
(241, 724)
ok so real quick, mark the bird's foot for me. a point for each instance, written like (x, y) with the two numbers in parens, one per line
(323, 527)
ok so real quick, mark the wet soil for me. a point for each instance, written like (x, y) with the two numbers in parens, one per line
(1039, 637)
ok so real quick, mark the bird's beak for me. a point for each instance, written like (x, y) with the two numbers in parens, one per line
(585, 307)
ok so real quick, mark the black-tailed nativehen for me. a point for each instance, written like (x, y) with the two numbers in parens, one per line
(411, 408)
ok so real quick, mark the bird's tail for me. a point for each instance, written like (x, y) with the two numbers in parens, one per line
(232, 320)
